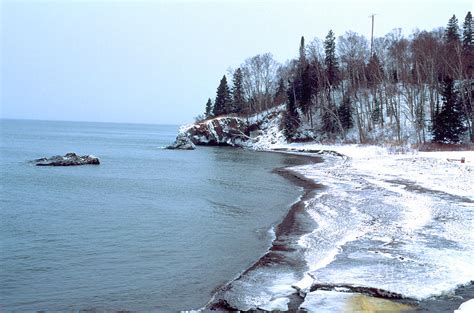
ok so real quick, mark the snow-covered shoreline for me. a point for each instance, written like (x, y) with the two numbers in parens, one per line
(409, 176)
(441, 170)
(391, 234)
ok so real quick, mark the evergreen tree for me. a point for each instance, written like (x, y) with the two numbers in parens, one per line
(238, 100)
(468, 45)
(291, 118)
(305, 90)
(329, 124)
(209, 108)
(302, 80)
(376, 113)
(467, 38)
(223, 98)
(345, 113)
(452, 46)
(452, 31)
(330, 60)
(302, 59)
(448, 126)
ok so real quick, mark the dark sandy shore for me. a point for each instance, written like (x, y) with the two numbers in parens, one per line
(294, 226)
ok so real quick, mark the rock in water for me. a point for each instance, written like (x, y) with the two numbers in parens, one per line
(70, 159)
(182, 143)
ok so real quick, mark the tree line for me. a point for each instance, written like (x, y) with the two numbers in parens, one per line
(420, 87)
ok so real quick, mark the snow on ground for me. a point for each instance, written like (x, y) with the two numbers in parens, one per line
(441, 171)
(467, 306)
(416, 190)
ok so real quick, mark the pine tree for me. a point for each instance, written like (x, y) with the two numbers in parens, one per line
(209, 108)
(302, 80)
(302, 59)
(452, 31)
(329, 124)
(305, 90)
(468, 45)
(345, 113)
(468, 60)
(452, 47)
(223, 98)
(291, 118)
(238, 100)
(376, 114)
(448, 126)
(332, 67)
(467, 37)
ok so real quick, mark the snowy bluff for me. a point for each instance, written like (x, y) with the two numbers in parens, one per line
(257, 132)
(261, 133)
(221, 131)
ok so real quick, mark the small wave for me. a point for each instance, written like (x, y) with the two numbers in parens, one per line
(272, 233)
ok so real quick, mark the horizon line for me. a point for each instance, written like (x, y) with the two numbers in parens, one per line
(83, 121)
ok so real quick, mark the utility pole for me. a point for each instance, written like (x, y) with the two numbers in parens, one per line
(372, 36)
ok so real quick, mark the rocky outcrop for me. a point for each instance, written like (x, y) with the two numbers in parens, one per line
(256, 132)
(70, 159)
(220, 131)
(182, 143)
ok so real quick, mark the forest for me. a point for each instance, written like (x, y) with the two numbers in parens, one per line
(392, 89)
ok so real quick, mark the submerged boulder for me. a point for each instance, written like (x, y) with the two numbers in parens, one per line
(182, 143)
(70, 159)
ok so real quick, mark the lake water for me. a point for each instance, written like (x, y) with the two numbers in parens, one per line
(148, 229)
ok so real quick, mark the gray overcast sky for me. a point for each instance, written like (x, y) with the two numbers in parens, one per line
(159, 61)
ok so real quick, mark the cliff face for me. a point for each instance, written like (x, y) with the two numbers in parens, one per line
(256, 132)
(220, 131)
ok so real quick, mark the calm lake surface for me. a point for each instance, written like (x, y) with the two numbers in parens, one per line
(148, 229)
